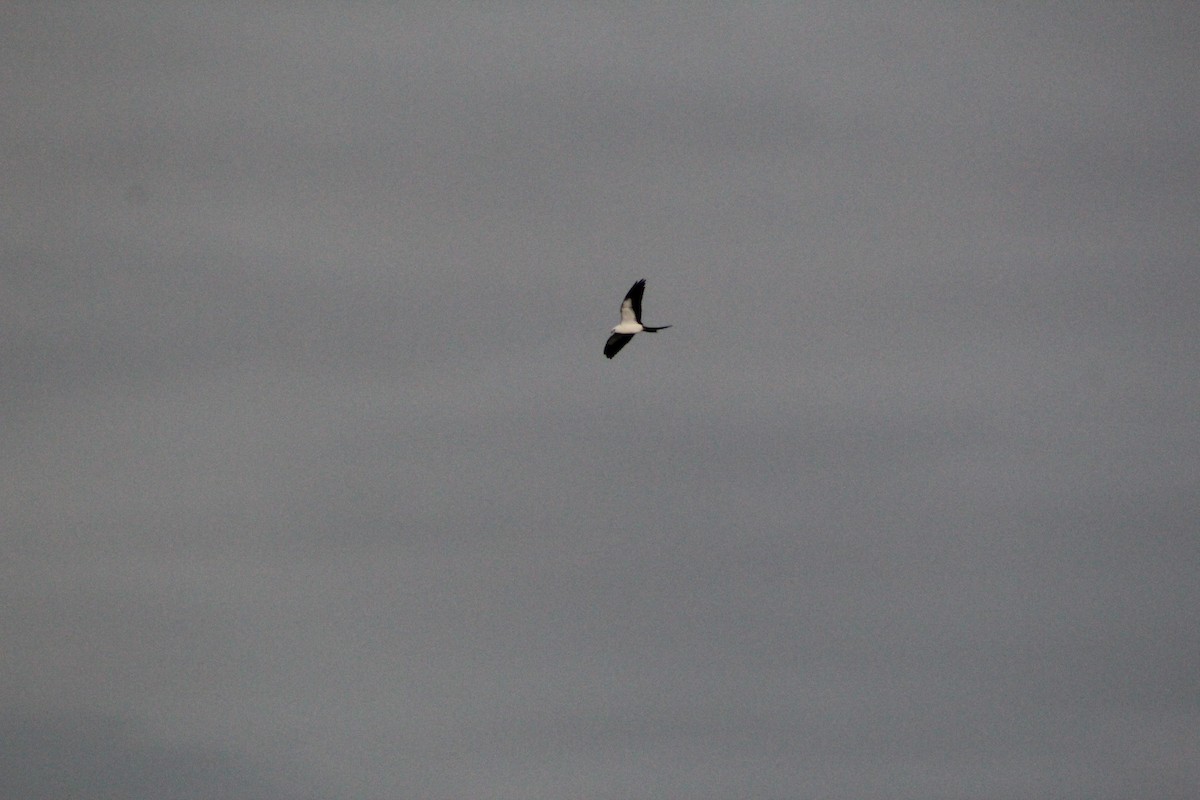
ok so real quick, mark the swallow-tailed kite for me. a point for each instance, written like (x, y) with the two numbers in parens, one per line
(631, 321)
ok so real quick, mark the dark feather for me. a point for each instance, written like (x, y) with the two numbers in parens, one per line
(635, 297)
(615, 343)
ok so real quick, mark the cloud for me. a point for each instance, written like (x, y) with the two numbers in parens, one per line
(313, 465)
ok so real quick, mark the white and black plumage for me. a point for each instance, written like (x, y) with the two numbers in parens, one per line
(631, 321)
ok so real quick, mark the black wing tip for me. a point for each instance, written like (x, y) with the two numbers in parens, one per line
(634, 296)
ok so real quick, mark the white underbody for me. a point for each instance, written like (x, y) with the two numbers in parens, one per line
(629, 322)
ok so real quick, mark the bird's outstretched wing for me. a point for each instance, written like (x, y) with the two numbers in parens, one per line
(631, 306)
(615, 343)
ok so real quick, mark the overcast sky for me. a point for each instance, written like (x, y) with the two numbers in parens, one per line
(316, 483)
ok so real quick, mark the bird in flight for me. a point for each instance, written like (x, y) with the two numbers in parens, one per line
(631, 321)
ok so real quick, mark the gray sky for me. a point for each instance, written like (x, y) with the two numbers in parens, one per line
(317, 484)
